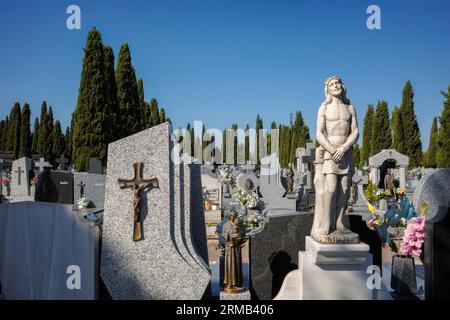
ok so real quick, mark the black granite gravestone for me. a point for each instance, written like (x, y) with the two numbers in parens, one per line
(274, 252)
(437, 256)
(63, 182)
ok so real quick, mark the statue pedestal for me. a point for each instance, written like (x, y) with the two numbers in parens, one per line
(331, 272)
(235, 296)
(334, 271)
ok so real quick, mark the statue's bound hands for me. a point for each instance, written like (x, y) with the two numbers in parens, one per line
(338, 154)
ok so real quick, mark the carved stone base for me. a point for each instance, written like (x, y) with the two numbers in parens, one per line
(337, 237)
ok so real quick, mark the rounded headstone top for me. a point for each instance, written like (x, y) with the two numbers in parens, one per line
(434, 189)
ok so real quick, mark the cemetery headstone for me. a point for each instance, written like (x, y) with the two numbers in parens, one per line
(20, 178)
(41, 164)
(95, 166)
(271, 189)
(63, 182)
(170, 260)
(90, 186)
(62, 161)
(437, 260)
(34, 263)
(434, 189)
(274, 252)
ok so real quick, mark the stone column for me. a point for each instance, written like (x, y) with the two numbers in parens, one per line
(403, 177)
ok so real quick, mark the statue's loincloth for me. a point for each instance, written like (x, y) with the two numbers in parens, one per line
(343, 167)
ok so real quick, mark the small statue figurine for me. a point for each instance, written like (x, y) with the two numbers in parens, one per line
(290, 179)
(234, 234)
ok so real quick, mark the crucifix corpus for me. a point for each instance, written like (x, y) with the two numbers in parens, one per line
(137, 185)
(19, 171)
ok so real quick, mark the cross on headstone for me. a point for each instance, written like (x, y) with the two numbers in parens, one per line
(81, 185)
(248, 167)
(62, 162)
(137, 185)
(19, 171)
(41, 164)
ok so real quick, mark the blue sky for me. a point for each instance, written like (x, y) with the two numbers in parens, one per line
(224, 61)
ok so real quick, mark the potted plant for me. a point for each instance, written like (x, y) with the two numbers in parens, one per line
(206, 199)
(33, 183)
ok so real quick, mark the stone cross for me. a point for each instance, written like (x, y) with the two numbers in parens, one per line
(19, 171)
(81, 185)
(137, 185)
(62, 162)
(41, 164)
(248, 167)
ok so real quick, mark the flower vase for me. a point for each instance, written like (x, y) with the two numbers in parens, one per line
(8, 191)
(403, 275)
(226, 191)
(244, 210)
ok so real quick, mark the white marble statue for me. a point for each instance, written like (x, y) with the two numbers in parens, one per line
(337, 131)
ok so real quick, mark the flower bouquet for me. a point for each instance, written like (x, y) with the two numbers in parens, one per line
(225, 177)
(6, 181)
(247, 198)
(34, 181)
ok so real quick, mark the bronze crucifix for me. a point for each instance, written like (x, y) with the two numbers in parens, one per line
(19, 171)
(137, 185)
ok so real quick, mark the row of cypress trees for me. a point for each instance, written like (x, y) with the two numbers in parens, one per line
(110, 104)
(401, 132)
(46, 138)
(292, 136)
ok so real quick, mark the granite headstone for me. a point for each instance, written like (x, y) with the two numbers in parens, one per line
(63, 182)
(274, 252)
(20, 178)
(437, 255)
(434, 189)
(169, 263)
(90, 186)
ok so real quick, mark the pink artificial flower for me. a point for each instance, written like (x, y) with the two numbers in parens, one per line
(414, 237)
(372, 223)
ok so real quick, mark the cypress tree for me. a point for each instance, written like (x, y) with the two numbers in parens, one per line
(4, 141)
(381, 130)
(366, 147)
(58, 140)
(14, 130)
(259, 126)
(356, 155)
(247, 143)
(51, 126)
(111, 115)
(25, 134)
(154, 112)
(67, 142)
(300, 135)
(429, 156)
(44, 140)
(35, 140)
(142, 104)
(88, 136)
(162, 116)
(443, 154)
(413, 145)
(127, 93)
(398, 142)
(2, 134)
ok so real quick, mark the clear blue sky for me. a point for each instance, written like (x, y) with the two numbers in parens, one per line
(224, 61)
